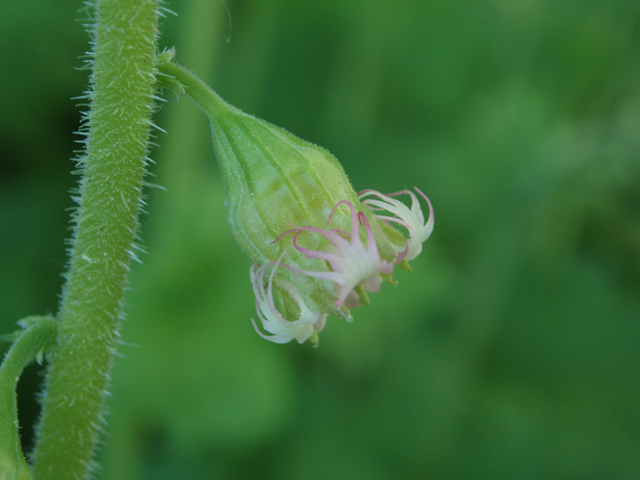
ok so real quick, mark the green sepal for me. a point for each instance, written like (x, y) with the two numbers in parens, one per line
(405, 266)
(36, 336)
(288, 308)
(364, 296)
(390, 279)
(315, 339)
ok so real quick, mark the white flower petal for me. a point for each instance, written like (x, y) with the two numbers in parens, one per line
(410, 218)
(282, 330)
(352, 263)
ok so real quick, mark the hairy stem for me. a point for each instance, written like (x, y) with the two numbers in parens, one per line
(106, 222)
(29, 345)
(179, 78)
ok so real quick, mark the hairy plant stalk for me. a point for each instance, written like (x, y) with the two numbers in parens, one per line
(29, 344)
(106, 222)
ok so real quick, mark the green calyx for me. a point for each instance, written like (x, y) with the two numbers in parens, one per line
(286, 200)
(274, 182)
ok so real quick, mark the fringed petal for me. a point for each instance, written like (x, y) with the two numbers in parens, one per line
(273, 322)
(352, 263)
(410, 218)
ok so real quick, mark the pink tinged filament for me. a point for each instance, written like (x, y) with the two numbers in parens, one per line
(410, 218)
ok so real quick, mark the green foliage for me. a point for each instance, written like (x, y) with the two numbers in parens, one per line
(511, 350)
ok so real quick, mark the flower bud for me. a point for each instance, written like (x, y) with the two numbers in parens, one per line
(276, 182)
(317, 249)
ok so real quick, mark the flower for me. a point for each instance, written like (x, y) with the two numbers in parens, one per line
(412, 219)
(291, 205)
(283, 330)
(274, 180)
(352, 266)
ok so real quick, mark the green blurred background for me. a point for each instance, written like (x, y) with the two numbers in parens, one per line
(510, 352)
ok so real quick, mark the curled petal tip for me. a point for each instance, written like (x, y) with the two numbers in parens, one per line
(410, 218)
(351, 262)
(272, 320)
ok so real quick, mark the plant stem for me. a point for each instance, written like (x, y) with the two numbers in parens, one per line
(31, 342)
(106, 222)
(179, 78)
